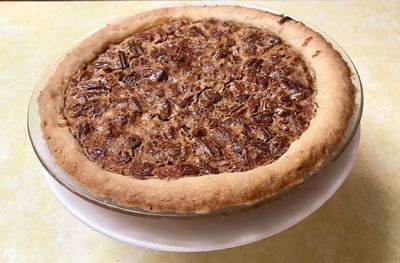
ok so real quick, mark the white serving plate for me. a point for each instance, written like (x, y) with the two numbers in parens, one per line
(185, 235)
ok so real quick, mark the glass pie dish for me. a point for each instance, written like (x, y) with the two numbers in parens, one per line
(65, 180)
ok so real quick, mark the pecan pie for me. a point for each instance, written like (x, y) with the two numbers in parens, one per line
(192, 109)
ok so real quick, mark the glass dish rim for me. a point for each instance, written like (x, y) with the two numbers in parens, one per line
(353, 124)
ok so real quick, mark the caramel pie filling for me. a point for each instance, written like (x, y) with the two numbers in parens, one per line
(190, 98)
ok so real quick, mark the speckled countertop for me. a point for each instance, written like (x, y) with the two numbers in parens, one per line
(360, 223)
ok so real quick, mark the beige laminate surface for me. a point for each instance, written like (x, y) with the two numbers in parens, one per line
(360, 223)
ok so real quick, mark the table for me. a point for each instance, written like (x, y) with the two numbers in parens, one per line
(360, 223)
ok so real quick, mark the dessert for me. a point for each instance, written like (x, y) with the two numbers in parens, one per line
(193, 109)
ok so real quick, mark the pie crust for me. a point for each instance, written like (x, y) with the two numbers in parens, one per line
(206, 193)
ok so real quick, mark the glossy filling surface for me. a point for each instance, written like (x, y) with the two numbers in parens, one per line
(190, 98)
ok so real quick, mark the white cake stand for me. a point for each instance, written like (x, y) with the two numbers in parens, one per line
(212, 234)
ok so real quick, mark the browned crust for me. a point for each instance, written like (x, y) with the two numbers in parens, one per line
(335, 99)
